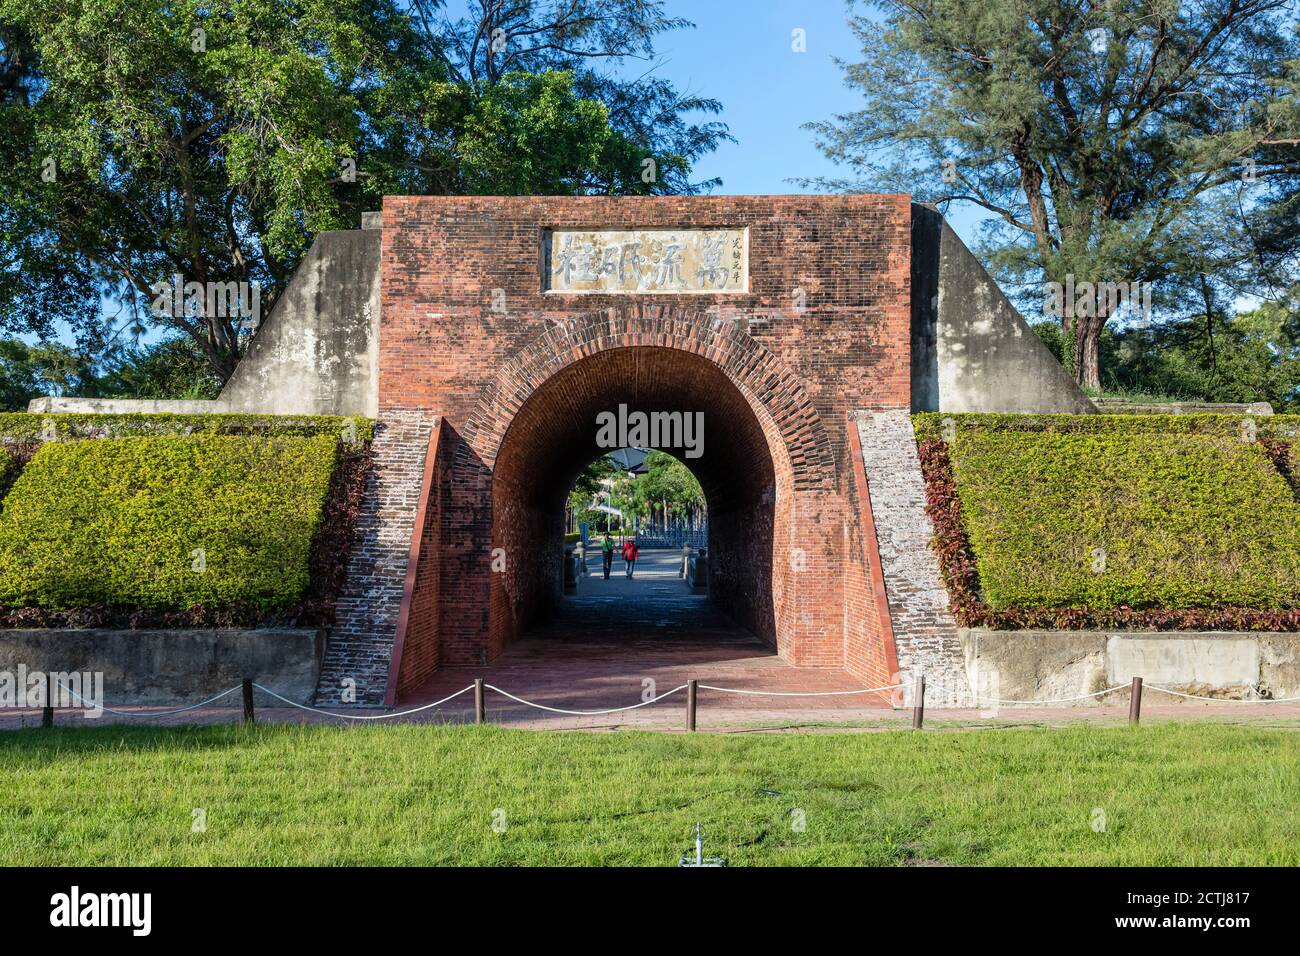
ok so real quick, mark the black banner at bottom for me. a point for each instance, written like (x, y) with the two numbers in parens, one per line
(341, 908)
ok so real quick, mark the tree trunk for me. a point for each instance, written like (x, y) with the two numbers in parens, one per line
(1087, 350)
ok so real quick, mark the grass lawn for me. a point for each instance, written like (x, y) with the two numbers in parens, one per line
(1185, 793)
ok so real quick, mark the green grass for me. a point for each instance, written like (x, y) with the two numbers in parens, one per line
(1181, 520)
(1196, 794)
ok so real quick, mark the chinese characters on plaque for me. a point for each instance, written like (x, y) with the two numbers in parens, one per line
(647, 261)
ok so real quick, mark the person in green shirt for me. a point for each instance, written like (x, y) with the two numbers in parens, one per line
(607, 552)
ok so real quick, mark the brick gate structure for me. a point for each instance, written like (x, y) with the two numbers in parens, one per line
(486, 335)
(518, 372)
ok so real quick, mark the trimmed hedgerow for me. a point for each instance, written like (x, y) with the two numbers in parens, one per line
(166, 522)
(1197, 528)
(24, 426)
(1104, 521)
(1284, 428)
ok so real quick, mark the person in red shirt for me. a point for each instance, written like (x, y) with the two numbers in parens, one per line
(630, 553)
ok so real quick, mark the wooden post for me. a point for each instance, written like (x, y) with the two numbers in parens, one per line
(480, 709)
(692, 689)
(1135, 702)
(249, 716)
(47, 710)
(918, 705)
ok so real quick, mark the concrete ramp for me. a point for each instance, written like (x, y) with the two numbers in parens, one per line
(316, 353)
(971, 350)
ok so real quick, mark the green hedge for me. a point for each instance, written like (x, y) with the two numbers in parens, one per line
(118, 522)
(9, 465)
(1280, 427)
(22, 426)
(1187, 514)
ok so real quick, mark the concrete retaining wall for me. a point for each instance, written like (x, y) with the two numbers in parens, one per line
(125, 406)
(174, 667)
(1121, 406)
(1042, 665)
(316, 353)
(971, 350)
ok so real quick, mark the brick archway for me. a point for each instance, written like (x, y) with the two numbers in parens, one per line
(533, 429)
(767, 382)
(471, 331)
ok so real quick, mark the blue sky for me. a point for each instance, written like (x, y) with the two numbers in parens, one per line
(740, 53)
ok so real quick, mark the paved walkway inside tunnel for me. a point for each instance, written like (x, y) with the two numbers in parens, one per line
(614, 640)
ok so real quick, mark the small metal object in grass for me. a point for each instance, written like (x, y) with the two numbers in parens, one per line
(700, 859)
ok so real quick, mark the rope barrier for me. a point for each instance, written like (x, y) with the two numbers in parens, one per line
(790, 693)
(583, 713)
(1054, 700)
(327, 713)
(159, 713)
(646, 703)
(1224, 700)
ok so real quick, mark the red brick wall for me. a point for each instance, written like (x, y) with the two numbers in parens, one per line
(417, 652)
(789, 375)
(869, 650)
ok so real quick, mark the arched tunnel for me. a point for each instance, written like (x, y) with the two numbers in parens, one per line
(742, 467)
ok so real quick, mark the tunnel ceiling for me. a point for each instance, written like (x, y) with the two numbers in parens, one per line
(554, 435)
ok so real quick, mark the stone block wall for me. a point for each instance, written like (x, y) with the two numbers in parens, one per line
(925, 633)
(361, 641)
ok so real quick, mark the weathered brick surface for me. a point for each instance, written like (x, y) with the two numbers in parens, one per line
(594, 364)
(361, 641)
(869, 650)
(421, 651)
(823, 329)
(925, 633)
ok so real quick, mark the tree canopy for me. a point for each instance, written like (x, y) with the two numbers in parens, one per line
(1148, 141)
(143, 140)
(665, 481)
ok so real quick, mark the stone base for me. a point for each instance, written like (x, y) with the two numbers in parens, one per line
(1048, 665)
(174, 668)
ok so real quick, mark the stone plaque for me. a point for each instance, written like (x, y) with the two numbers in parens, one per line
(647, 261)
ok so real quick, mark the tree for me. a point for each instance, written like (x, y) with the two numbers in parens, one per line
(1127, 141)
(566, 142)
(193, 139)
(587, 488)
(171, 368)
(1248, 357)
(482, 42)
(142, 140)
(47, 368)
(667, 487)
